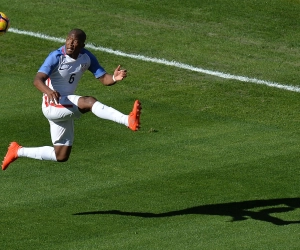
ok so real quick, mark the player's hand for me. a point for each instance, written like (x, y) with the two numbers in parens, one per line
(53, 96)
(120, 74)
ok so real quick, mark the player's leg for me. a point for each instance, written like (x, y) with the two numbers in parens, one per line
(15, 151)
(59, 153)
(62, 152)
(56, 153)
(88, 103)
(62, 135)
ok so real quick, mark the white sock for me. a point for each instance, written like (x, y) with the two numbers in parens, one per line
(108, 113)
(41, 153)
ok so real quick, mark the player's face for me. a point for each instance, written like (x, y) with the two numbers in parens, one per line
(74, 45)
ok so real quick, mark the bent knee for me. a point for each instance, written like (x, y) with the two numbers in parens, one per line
(89, 100)
(85, 103)
(62, 158)
(62, 153)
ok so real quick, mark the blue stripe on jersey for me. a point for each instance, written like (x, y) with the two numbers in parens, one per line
(52, 61)
(95, 67)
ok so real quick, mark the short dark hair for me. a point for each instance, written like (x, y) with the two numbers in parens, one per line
(79, 33)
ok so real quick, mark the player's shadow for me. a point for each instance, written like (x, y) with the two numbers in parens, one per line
(261, 210)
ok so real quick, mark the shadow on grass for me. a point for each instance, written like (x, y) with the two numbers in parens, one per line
(261, 210)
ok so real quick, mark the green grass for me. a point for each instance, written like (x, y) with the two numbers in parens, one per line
(216, 163)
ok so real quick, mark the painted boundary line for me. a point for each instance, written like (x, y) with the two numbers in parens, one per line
(164, 62)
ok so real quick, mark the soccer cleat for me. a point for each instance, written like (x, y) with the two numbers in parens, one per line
(11, 155)
(134, 116)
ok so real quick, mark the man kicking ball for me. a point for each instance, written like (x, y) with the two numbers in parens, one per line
(57, 79)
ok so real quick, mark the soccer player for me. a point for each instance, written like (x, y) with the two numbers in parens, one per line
(57, 79)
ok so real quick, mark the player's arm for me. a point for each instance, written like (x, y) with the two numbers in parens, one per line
(99, 72)
(39, 83)
(108, 79)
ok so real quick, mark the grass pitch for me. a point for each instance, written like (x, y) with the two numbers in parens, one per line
(216, 163)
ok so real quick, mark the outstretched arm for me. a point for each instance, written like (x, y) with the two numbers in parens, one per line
(119, 75)
(39, 83)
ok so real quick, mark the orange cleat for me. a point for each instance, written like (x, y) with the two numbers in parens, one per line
(11, 155)
(134, 116)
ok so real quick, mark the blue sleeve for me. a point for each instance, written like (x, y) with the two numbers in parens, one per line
(50, 62)
(95, 67)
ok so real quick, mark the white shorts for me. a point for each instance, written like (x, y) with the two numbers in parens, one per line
(61, 119)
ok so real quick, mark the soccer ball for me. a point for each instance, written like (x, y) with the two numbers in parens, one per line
(4, 23)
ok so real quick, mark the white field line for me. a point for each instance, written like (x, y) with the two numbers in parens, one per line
(163, 61)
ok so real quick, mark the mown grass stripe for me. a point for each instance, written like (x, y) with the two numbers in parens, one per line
(164, 62)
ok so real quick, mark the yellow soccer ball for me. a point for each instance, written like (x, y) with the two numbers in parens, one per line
(4, 23)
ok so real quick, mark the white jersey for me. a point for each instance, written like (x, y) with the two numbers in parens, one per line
(65, 72)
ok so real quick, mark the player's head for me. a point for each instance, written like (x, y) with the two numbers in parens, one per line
(75, 42)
